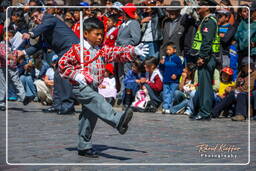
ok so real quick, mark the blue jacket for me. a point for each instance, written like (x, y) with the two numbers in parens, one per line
(172, 65)
(130, 81)
(56, 33)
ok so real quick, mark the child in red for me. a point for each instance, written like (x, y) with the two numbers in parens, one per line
(111, 35)
(85, 78)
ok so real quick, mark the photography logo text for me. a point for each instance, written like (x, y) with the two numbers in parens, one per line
(218, 151)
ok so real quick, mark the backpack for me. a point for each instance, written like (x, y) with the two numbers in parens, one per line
(141, 101)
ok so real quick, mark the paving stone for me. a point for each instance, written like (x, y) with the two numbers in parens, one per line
(36, 137)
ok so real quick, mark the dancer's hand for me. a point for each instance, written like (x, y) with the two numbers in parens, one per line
(141, 50)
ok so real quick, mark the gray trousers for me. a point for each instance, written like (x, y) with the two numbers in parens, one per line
(14, 77)
(94, 106)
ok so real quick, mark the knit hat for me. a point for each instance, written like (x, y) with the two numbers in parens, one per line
(130, 10)
(117, 5)
(110, 68)
(228, 71)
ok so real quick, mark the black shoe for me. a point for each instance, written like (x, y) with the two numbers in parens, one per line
(88, 153)
(125, 119)
(28, 99)
(66, 111)
(2, 108)
(50, 110)
(201, 118)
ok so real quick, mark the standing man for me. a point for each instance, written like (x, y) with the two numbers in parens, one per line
(60, 38)
(205, 45)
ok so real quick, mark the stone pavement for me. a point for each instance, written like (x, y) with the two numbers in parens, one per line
(36, 137)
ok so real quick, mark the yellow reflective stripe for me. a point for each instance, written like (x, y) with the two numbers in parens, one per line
(198, 39)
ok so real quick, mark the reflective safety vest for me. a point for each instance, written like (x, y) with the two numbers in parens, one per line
(198, 39)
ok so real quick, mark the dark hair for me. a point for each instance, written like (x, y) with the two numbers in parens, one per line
(191, 68)
(18, 12)
(92, 23)
(152, 61)
(38, 3)
(114, 18)
(239, 12)
(230, 77)
(139, 64)
(69, 21)
(33, 10)
(11, 29)
(171, 44)
(21, 24)
(111, 1)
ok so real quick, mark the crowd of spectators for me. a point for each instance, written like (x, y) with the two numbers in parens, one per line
(165, 79)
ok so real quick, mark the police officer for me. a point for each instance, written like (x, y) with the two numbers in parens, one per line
(205, 47)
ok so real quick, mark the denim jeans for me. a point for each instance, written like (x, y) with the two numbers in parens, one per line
(180, 101)
(28, 83)
(168, 94)
(190, 106)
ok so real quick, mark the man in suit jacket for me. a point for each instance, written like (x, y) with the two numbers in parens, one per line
(60, 38)
(172, 29)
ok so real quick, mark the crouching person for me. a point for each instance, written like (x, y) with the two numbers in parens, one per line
(85, 78)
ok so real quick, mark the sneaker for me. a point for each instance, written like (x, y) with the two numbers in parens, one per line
(2, 108)
(238, 118)
(167, 111)
(187, 112)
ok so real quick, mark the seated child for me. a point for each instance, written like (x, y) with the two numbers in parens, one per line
(171, 66)
(238, 94)
(226, 84)
(152, 84)
(186, 90)
(108, 86)
(131, 82)
(45, 85)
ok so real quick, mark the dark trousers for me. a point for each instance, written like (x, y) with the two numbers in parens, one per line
(205, 90)
(154, 96)
(62, 93)
(253, 99)
(241, 104)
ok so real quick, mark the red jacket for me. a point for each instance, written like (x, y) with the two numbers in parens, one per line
(94, 65)
(110, 37)
(76, 29)
(157, 85)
